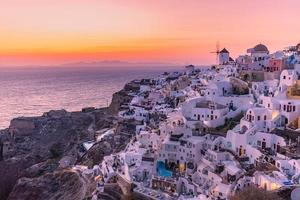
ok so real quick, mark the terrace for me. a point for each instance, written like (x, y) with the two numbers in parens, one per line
(149, 193)
(210, 105)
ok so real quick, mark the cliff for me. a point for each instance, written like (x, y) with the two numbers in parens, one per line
(64, 184)
(36, 153)
(123, 97)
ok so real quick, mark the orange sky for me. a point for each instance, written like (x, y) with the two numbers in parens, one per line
(181, 31)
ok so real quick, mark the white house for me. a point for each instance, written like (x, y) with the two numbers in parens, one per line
(259, 55)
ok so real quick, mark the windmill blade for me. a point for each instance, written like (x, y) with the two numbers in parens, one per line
(218, 47)
(218, 52)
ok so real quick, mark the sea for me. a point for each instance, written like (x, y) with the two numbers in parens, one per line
(33, 91)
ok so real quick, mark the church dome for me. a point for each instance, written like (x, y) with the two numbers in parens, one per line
(298, 47)
(260, 48)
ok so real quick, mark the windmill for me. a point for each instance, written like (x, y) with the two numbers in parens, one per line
(217, 52)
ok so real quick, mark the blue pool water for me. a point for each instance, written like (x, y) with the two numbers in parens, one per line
(162, 171)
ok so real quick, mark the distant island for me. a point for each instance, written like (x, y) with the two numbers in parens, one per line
(118, 63)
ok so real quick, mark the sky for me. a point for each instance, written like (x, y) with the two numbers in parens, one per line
(50, 32)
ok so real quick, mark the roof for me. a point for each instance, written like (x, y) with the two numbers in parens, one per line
(190, 66)
(224, 51)
(258, 110)
(289, 71)
(260, 48)
(221, 187)
(295, 194)
(232, 169)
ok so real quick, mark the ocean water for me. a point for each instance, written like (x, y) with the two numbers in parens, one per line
(31, 92)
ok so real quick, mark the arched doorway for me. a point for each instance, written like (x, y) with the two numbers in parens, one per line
(283, 121)
(244, 129)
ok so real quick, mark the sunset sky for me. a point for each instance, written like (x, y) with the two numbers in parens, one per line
(43, 32)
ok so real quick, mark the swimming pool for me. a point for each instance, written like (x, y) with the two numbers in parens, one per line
(162, 171)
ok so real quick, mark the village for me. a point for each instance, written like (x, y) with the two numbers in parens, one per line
(209, 132)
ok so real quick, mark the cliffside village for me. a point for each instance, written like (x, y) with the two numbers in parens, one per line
(209, 132)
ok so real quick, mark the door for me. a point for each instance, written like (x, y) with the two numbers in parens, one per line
(263, 145)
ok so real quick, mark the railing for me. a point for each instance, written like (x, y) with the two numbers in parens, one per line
(221, 120)
(252, 130)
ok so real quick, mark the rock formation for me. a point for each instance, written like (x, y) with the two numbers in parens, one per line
(36, 153)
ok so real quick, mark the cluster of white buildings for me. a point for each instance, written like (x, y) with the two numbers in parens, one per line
(208, 133)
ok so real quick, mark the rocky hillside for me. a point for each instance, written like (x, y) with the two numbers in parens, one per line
(122, 97)
(63, 184)
(36, 153)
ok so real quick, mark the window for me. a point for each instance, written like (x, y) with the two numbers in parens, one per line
(294, 108)
(284, 107)
(283, 77)
(258, 118)
(278, 165)
(265, 117)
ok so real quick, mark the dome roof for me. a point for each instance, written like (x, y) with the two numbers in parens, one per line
(260, 48)
(298, 47)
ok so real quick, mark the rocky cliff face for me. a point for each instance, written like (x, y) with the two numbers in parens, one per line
(49, 186)
(112, 144)
(36, 153)
(34, 146)
(122, 97)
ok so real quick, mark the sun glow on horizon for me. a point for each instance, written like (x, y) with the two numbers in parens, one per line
(53, 32)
